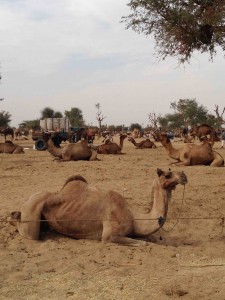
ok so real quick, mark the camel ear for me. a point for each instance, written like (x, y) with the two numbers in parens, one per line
(159, 172)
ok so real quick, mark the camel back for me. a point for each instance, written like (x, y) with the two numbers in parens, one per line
(72, 178)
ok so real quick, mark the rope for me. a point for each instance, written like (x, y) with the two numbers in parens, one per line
(178, 217)
(111, 220)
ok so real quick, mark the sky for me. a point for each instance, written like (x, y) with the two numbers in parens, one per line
(76, 53)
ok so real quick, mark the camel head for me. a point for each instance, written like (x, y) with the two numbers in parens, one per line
(130, 139)
(123, 136)
(162, 137)
(169, 179)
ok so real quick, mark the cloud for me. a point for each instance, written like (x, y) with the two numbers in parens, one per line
(67, 54)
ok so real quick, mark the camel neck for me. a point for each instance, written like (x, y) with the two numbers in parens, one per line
(146, 224)
(173, 153)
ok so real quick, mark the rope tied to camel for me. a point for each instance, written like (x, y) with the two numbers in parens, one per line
(162, 220)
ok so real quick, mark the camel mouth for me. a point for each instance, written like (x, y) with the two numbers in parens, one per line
(14, 218)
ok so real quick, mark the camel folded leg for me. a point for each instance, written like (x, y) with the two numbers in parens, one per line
(108, 237)
(181, 163)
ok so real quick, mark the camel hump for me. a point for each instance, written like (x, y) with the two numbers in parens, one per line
(74, 177)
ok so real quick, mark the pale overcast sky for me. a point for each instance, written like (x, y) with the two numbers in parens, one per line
(76, 53)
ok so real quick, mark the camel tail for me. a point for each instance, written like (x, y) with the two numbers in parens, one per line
(72, 178)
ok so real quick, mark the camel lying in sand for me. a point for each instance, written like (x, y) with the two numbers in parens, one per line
(110, 147)
(191, 154)
(143, 144)
(10, 148)
(78, 151)
(82, 211)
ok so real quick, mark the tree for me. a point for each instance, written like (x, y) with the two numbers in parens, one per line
(135, 125)
(99, 117)
(58, 114)
(171, 121)
(4, 118)
(219, 116)
(47, 112)
(75, 116)
(180, 26)
(31, 124)
(190, 112)
(154, 120)
(186, 112)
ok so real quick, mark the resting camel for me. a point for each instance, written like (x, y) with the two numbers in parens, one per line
(79, 210)
(9, 148)
(110, 147)
(191, 154)
(143, 144)
(78, 151)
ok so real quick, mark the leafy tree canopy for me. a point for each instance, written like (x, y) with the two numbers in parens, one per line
(180, 26)
(75, 116)
(135, 125)
(47, 112)
(187, 112)
(58, 114)
(5, 118)
(31, 124)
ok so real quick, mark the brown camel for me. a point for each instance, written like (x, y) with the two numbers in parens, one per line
(204, 130)
(7, 131)
(143, 144)
(110, 147)
(191, 154)
(78, 151)
(82, 211)
(9, 148)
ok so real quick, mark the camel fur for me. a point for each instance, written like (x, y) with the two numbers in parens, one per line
(73, 151)
(143, 144)
(79, 210)
(191, 154)
(110, 147)
(9, 148)
(203, 131)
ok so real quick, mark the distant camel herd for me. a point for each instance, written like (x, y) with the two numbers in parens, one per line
(188, 155)
(106, 215)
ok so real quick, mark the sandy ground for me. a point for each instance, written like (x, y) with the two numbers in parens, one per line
(186, 261)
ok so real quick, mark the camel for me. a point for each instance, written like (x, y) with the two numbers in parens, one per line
(143, 144)
(191, 154)
(7, 131)
(9, 148)
(73, 151)
(204, 130)
(79, 210)
(110, 147)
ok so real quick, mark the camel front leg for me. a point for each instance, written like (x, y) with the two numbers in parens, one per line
(181, 163)
(108, 237)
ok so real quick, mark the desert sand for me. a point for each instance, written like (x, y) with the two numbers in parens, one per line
(187, 259)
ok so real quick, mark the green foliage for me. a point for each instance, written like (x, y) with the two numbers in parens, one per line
(135, 125)
(31, 124)
(186, 112)
(58, 114)
(75, 116)
(47, 112)
(180, 26)
(171, 121)
(5, 118)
